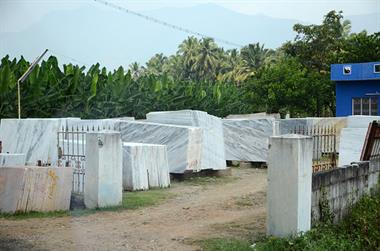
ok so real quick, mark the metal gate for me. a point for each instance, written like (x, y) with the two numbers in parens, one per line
(71, 153)
(324, 145)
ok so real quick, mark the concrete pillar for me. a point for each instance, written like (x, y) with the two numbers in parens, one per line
(104, 169)
(289, 185)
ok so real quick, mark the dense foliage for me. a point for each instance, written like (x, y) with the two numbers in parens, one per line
(293, 79)
(360, 230)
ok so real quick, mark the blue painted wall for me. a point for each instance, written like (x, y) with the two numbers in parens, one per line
(360, 71)
(361, 81)
(345, 91)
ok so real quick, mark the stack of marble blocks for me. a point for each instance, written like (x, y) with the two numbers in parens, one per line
(352, 138)
(42, 189)
(36, 138)
(183, 142)
(12, 159)
(246, 139)
(145, 166)
(213, 152)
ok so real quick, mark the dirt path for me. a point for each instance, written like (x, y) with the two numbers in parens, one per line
(235, 208)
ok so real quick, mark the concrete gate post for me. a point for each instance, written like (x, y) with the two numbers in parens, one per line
(289, 185)
(104, 169)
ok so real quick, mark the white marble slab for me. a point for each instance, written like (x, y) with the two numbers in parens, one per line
(36, 138)
(213, 152)
(351, 145)
(247, 139)
(41, 189)
(183, 142)
(360, 121)
(12, 159)
(260, 115)
(145, 166)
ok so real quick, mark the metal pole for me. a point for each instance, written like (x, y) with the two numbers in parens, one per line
(18, 99)
(23, 77)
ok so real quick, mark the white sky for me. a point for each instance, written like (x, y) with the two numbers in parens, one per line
(15, 15)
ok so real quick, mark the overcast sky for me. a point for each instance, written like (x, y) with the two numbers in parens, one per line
(16, 15)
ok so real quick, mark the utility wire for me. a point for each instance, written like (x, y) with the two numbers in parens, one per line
(68, 57)
(172, 26)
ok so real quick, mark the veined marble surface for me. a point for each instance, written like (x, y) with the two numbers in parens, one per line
(213, 152)
(40, 189)
(260, 115)
(36, 138)
(145, 166)
(95, 124)
(360, 121)
(351, 145)
(12, 159)
(183, 142)
(247, 139)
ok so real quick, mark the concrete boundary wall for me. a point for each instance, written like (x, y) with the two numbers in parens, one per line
(342, 187)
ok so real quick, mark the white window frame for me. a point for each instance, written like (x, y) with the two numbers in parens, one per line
(361, 105)
(374, 68)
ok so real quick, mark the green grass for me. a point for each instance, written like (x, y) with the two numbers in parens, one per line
(360, 230)
(219, 244)
(131, 201)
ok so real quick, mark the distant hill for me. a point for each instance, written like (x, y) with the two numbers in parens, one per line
(114, 38)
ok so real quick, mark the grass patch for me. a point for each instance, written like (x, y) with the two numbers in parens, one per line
(22, 216)
(360, 230)
(218, 244)
(131, 201)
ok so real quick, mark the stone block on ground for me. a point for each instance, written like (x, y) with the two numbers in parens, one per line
(36, 138)
(183, 142)
(145, 166)
(12, 159)
(351, 145)
(213, 153)
(40, 189)
(104, 169)
(247, 139)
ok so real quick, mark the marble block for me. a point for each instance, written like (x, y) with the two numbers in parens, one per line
(213, 152)
(287, 126)
(145, 166)
(360, 121)
(41, 189)
(12, 159)
(351, 145)
(103, 184)
(36, 138)
(260, 115)
(247, 139)
(183, 142)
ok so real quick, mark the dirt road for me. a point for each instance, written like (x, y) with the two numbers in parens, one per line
(232, 208)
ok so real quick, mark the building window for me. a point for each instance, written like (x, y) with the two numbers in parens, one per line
(376, 68)
(364, 106)
(347, 70)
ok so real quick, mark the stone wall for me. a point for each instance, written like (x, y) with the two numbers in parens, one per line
(342, 187)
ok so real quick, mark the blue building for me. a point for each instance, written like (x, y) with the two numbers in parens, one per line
(357, 88)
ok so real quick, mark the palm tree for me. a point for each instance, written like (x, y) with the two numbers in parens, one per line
(155, 64)
(136, 70)
(188, 50)
(207, 60)
(253, 57)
